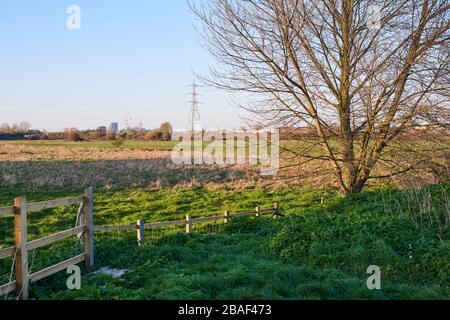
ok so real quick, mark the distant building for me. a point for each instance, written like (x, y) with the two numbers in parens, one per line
(114, 127)
(102, 129)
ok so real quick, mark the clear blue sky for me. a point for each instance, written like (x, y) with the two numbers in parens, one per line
(131, 59)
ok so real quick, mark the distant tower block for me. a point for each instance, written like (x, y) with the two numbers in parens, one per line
(195, 122)
(115, 127)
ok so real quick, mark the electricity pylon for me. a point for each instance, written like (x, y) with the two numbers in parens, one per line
(194, 115)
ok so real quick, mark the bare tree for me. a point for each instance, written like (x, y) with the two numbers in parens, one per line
(166, 130)
(111, 134)
(73, 135)
(4, 127)
(24, 126)
(362, 74)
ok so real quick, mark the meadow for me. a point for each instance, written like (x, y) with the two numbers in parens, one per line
(320, 249)
(103, 160)
(126, 144)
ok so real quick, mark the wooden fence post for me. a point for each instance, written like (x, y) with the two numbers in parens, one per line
(258, 211)
(276, 209)
(227, 216)
(21, 232)
(140, 231)
(188, 223)
(89, 228)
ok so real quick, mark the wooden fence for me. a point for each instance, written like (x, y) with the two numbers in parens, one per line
(84, 225)
(22, 247)
(188, 221)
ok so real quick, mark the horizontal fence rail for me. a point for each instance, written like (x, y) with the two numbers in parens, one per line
(54, 203)
(19, 252)
(6, 211)
(115, 228)
(8, 252)
(43, 242)
(46, 241)
(37, 206)
(155, 225)
(56, 268)
(8, 288)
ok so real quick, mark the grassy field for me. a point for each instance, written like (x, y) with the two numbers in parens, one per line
(320, 250)
(127, 144)
(106, 164)
(317, 251)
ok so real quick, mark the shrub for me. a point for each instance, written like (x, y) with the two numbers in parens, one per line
(74, 135)
(153, 135)
(166, 136)
(111, 135)
(166, 127)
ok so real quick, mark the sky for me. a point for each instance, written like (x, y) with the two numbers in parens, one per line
(131, 59)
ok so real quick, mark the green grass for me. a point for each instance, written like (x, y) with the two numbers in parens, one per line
(128, 144)
(318, 251)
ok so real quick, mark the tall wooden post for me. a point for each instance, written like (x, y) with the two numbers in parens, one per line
(140, 231)
(21, 231)
(89, 228)
(227, 216)
(188, 223)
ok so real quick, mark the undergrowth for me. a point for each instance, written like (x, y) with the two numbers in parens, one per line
(320, 250)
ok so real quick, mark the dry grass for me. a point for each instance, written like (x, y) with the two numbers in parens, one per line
(32, 167)
(21, 153)
(36, 166)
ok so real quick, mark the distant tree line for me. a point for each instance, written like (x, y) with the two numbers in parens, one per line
(24, 131)
(163, 133)
(20, 131)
